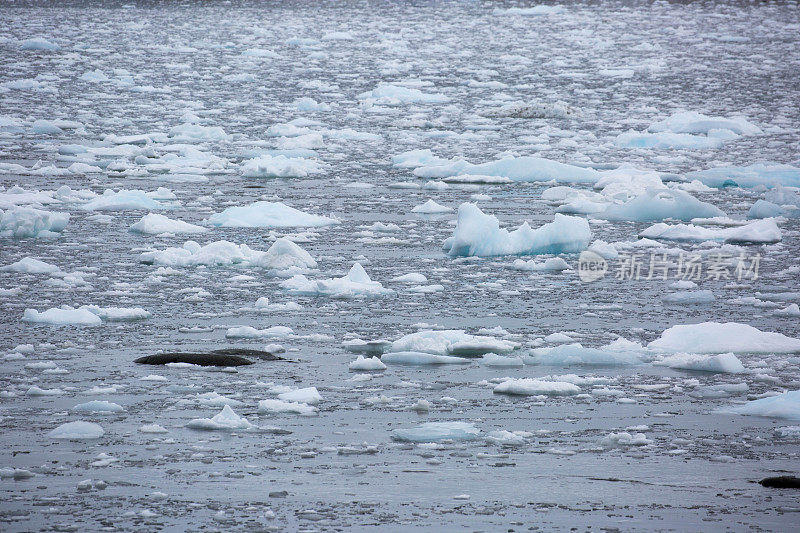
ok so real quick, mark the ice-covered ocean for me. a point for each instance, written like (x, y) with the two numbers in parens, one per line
(527, 267)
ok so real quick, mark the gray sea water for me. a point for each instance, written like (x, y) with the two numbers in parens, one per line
(341, 469)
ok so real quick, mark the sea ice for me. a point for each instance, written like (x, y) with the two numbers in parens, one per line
(715, 337)
(479, 234)
(437, 431)
(267, 215)
(356, 284)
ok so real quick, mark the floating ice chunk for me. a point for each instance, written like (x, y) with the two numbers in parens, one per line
(280, 166)
(431, 207)
(367, 364)
(282, 256)
(153, 428)
(38, 43)
(413, 277)
(225, 419)
(626, 182)
(670, 140)
(760, 231)
(249, 332)
(123, 199)
(267, 215)
(214, 399)
(437, 431)
(308, 395)
(693, 122)
(451, 342)
(29, 265)
(94, 76)
(552, 264)
(541, 9)
(535, 387)
(62, 316)
(280, 406)
(690, 297)
(785, 405)
(45, 127)
(38, 391)
(77, 430)
(790, 310)
(26, 222)
(388, 94)
(624, 439)
(723, 363)
(154, 224)
(604, 249)
(310, 105)
(117, 314)
(494, 360)
(422, 358)
(526, 168)
(356, 284)
(715, 337)
(98, 406)
(479, 234)
(767, 174)
(575, 354)
(196, 132)
(658, 204)
(765, 209)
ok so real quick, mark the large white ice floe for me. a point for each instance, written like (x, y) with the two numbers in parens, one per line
(726, 363)
(417, 158)
(307, 395)
(267, 215)
(389, 94)
(224, 420)
(367, 364)
(249, 332)
(98, 406)
(356, 284)
(29, 265)
(536, 387)
(155, 223)
(281, 406)
(766, 174)
(27, 222)
(658, 204)
(129, 199)
(86, 315)
(430, 207)
(693, 122)
(422, 358)
(760, 231)
(283, 255)
(527, 168)
(78, 430)
(670, 140)
(688, 129)
(479, 234)
(576, 354)
(785, 405)
(716, 337)
(62, 317)
(280, 166)
(451, 342)
(437, 431)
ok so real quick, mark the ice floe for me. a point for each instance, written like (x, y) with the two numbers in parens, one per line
(716, 337)
(479, 234)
